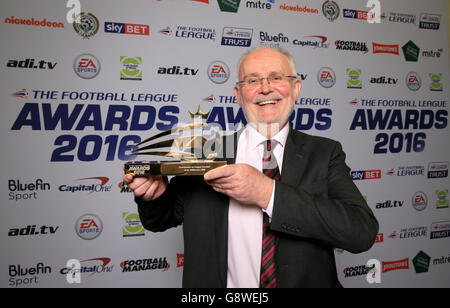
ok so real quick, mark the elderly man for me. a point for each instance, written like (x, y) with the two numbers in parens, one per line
(272, 217)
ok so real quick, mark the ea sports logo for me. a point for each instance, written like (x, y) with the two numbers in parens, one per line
(326, 77)
(419, 201)
(89, 226)
(218, 72)
(413, 81)
(86, 66)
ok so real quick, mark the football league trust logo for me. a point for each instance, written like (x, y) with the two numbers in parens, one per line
(241, 37)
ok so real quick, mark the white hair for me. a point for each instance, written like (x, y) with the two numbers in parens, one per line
(289, 57)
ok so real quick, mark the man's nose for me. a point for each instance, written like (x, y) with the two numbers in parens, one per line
(265, 86)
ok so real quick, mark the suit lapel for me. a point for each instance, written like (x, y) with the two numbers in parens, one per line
(294, 158)
(230, 143)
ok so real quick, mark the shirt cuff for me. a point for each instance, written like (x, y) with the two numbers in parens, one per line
(269, 209)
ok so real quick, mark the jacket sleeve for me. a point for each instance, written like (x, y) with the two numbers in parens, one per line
(166, 211)
(330, 210)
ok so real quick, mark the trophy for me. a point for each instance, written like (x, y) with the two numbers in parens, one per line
(188, 151)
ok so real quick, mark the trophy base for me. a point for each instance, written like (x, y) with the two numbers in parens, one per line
(154, 168)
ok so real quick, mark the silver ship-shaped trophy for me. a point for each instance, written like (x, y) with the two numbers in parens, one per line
(188, 151)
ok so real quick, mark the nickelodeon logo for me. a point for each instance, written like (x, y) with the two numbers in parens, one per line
(34, 22)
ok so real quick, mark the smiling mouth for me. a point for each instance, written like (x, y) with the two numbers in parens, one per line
(268, 102)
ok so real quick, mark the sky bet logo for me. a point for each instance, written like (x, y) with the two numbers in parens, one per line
(117, 27)
(366, 174)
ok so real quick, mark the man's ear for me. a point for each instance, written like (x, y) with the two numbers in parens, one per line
(297, 88)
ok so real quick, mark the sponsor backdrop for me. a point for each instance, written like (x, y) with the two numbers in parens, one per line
(77, 95)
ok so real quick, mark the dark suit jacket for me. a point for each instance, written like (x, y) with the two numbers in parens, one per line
(317, 208)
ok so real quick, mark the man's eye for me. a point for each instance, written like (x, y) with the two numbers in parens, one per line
(277, 78)
(252, 81)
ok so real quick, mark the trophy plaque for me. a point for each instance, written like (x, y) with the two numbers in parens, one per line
(187, 150)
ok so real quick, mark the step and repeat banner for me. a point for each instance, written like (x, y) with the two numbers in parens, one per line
(82, 81)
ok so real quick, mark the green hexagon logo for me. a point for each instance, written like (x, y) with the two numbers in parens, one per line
(231, 6)
(411, 52)
(421, 262)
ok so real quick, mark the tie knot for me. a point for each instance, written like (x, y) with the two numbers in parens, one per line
(269, 144)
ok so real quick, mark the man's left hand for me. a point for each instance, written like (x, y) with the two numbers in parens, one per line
(243, 183)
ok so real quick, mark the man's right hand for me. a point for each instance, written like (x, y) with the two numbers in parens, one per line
(146, 188)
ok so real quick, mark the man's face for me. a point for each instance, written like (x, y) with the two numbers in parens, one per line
(266, 103)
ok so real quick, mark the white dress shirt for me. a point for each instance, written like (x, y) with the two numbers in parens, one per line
(245, 221)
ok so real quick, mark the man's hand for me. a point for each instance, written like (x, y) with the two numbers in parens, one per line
(243, 183)
(146, 188)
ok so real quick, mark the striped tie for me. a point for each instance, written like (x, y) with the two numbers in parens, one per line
(268, 278)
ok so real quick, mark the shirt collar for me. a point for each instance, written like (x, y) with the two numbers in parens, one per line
(254, 138)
